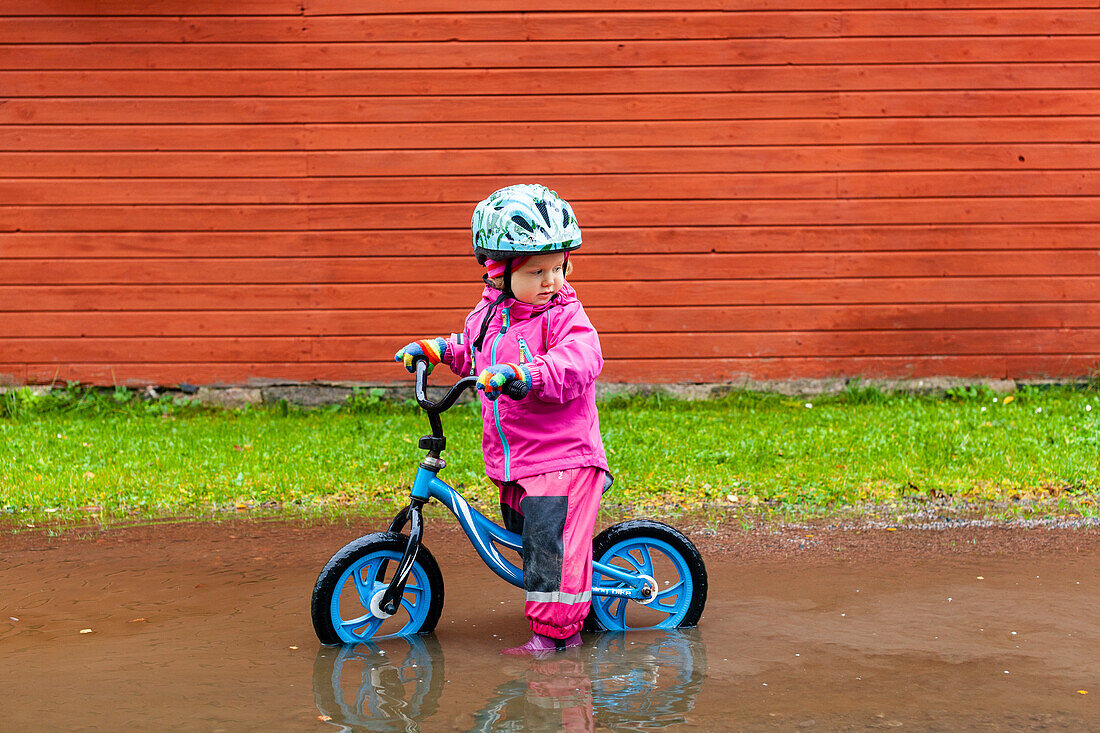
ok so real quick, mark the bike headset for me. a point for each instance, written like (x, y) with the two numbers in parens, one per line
(521, 220)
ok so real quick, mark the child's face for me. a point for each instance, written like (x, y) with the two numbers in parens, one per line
(539, 278)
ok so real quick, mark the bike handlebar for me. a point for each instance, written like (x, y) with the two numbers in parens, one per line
(434, 408)
(514, 389)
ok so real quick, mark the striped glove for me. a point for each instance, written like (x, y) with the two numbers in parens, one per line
(493, 379)
(434, 350)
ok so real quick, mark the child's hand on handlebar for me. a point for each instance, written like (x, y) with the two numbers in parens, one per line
(434, 350)
(494, 379)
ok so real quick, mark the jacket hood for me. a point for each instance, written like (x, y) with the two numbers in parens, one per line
(519, 309)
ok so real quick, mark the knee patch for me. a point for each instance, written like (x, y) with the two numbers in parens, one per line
(543, 527)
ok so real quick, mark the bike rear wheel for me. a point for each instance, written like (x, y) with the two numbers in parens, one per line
(660, 552)
(347, 595)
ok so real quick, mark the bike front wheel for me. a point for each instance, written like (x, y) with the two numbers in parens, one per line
(662, 554)
(347, 595)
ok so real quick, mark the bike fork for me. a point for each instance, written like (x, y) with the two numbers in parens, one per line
(411, 515)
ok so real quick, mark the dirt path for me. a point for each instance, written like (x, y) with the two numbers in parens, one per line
(206, 627)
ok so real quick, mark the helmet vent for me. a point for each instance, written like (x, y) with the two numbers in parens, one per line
(541, 206)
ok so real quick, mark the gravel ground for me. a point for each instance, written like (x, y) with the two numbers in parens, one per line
(900, 534)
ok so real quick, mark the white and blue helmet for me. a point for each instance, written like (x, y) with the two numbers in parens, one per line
(522, 220)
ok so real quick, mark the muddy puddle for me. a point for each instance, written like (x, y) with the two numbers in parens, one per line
(206, 627)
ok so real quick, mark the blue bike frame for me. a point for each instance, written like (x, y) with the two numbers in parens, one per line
(485, 535)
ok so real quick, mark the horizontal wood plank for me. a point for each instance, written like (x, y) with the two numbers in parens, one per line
(586, 187)
(638, 268)
(570, 53)
(608, 320)
(552, 161)
(758, 345)
(838, 292)
(186, 8)
(564, 108)
(80, 8)
(809, 212)
(344, 7)
(691, 133)
(597, 240)
(553, 26)
(544, 26)
(615, 370)
(628, 80)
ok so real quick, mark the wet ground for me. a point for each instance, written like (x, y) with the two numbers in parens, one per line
(206, 627)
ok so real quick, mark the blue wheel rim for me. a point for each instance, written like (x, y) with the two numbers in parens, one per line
(672, 601)
(363, 625)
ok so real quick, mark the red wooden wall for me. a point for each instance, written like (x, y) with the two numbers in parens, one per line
(226, 191)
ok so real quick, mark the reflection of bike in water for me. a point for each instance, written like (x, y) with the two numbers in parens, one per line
(367, 688)
(624, 684)
(644, 686)
(646, 681)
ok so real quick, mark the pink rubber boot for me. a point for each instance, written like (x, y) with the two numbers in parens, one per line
(541, 645)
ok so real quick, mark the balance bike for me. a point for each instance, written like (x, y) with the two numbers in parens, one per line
(645, 574)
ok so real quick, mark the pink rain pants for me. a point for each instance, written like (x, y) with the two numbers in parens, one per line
(555, 512)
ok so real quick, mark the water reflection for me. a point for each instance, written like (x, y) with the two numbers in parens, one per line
(626, 682)
(366, 688)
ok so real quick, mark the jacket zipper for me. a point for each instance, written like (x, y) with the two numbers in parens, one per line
(496, 402)
(524, 352)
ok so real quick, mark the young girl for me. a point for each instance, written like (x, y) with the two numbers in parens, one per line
(544, 451)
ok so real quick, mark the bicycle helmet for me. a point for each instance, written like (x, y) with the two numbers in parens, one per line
(519, 221)
(523, 220)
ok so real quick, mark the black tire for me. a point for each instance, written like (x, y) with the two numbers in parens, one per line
(378, 555)
(683, 558)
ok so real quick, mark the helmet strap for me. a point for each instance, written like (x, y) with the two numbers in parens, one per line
(507, 289)
(505, 293)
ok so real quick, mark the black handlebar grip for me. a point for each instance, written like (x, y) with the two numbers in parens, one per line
(517, 389)
(420, 368)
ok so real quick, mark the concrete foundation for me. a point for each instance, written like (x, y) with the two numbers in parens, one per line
(321, 394)
(314, 395)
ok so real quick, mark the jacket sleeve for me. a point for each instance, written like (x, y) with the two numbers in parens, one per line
(458, 354)
(572, 361)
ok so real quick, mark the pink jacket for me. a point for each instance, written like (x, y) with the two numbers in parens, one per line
(556, 426)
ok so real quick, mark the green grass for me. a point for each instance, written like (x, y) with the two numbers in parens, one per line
(112, 455)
